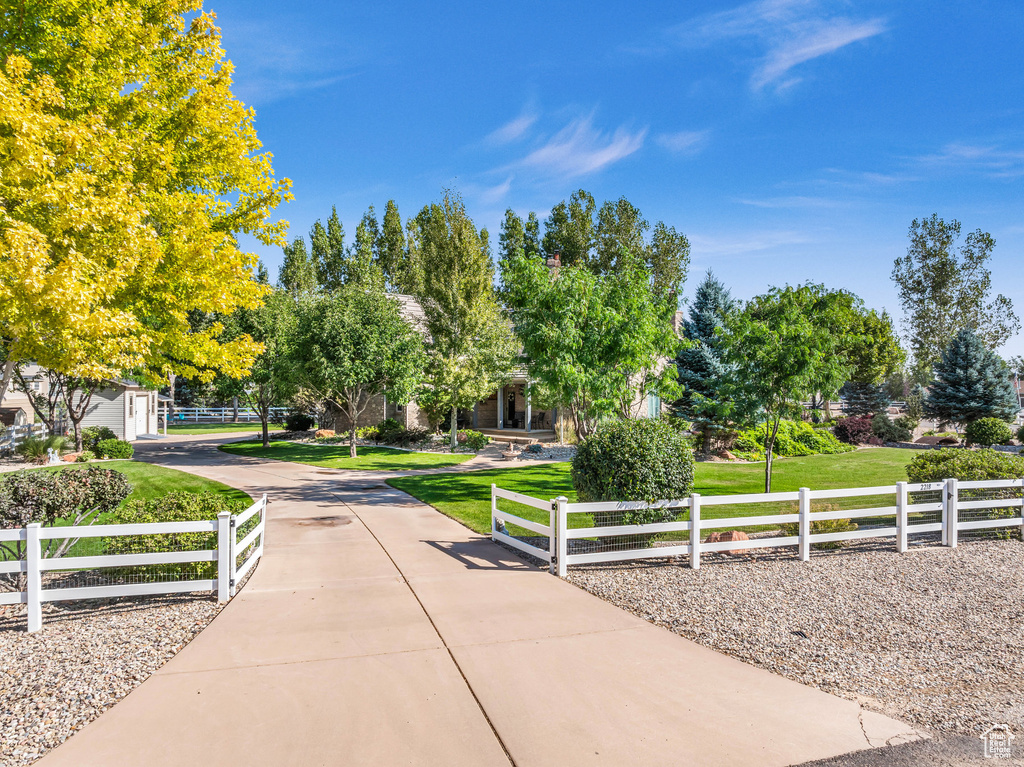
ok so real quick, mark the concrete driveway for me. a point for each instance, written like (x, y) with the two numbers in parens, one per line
(378, 631)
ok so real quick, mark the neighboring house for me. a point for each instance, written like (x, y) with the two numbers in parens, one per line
(14, 416)
(127, 408)
(37, 382)
(505, 412)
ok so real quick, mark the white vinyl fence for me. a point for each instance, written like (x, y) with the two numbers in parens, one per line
(54, 579)
(581, 533)
(222, 414)
(13, 436)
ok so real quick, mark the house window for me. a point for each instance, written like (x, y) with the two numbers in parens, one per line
(131, 405)
(653, 405)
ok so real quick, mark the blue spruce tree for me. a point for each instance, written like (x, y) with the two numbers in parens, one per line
(862, 398)
(971, 382)
(700, 366)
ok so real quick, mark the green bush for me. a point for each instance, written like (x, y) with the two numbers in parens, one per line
(392, 432)
(84, 456)
(967, 465)
(474, 440)
(988, 431)
(1020, 434)
(636, 460)
(93, 435)
(887, 430)
(907, 422)
(36, 449)
(298, 421)
(173, 507)
(115, 448)
(794, 438)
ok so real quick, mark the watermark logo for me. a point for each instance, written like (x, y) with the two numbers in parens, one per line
(996, 740)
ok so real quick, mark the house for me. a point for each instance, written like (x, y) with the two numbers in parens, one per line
(127, 408)
(506, 413)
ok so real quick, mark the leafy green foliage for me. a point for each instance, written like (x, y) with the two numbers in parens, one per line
(85, 456)
(966, 465)
(888, 430)
(93, 435)
(298, 421)
(37, 448)
(173, 507)
(114, 448)
(971, 382)
(474, 440)
(298, 273)
(944, 289)
(639, 460)
(988, 431)
(855, 430)
(793, 438)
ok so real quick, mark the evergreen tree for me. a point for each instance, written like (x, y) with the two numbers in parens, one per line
(297, 272)
(864, 398)
(700, 365)
(971, 382)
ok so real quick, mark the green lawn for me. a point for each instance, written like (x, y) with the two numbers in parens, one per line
(184, 427)
(466, 496)
(371, 457)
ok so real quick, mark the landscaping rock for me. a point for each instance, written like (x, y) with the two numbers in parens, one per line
(729, 535)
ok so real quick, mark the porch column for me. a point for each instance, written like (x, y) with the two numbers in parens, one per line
(501, 408)
(529, 408)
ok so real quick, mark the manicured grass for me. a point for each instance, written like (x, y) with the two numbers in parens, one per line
(466, 496)
(149, 481)
(370, 458)
(184, 427)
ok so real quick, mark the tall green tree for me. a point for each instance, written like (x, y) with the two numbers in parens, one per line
(471, 344)
(531, 236)
(971, 382)
(944, 287)
(353, 344)
(270, 380)
(364, 259)
(782, 349)
(392, 250)
(512, 237)
(569, 232)
(592, 343)
(298, 274)
(700, 364)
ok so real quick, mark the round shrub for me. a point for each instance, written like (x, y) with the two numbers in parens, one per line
(93, 435)
(474, 440)
(889, 431)
(1020, 434)
(641, 460)
(298, 421)
(967, 465)
(988, 431)
(855, 430)
(115, 448)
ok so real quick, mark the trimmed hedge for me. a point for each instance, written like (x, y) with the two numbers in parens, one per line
(967, 465)
(635, 460)
(114, 448)
(988, 431)
(794, 438)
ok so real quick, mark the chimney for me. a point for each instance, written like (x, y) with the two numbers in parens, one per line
(677, 323)
(554, 263)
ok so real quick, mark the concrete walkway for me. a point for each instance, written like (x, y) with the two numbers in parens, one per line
(376, 631)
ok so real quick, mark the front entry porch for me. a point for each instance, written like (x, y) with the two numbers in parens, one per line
(510, 412)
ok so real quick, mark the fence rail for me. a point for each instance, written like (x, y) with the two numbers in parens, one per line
(13, 436)
(226, 555)
(222, 414)
(580, 533)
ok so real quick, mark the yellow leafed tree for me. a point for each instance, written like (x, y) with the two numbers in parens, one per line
(127, 170)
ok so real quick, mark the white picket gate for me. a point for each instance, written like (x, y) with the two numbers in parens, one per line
(226, 554)
(559, 530)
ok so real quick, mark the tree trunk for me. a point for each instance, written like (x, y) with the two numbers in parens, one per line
(265, 422)
(234, 410)
(5, 378)
(352, 441)
(455, 429)
(353, 419)
(76, 423)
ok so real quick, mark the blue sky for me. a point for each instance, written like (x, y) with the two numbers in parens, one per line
(790, 140)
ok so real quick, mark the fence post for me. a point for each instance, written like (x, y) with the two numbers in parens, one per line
(695, 531)
(563, 529)
(552, 535)
(33, 577)
(494, 512)
(232, 552)
(225, 567)
(901, 517)
(805, 524)
(952, 518)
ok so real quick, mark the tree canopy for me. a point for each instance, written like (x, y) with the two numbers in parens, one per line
(129, 169)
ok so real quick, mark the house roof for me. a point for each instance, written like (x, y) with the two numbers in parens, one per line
(412, 311)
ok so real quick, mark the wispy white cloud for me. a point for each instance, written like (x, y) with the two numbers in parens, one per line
(786, 33)
(514, 129)
(703, 245)
(793, 202)
(495, 194)
(579, 149)
(683, 142)
(994, 161)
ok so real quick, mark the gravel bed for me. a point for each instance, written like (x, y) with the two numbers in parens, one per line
(552, 453)
(934, 636)
(87, 657)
